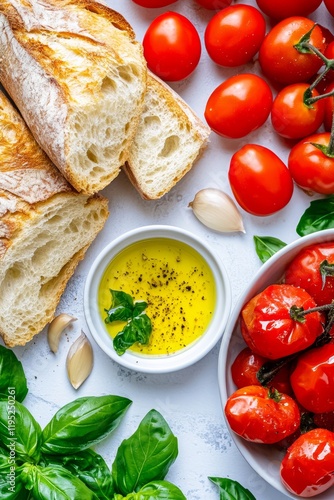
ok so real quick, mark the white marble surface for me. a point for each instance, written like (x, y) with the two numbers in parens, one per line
(189, 399)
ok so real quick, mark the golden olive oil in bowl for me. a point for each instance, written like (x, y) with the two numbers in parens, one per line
(177, 284)
(165, 276)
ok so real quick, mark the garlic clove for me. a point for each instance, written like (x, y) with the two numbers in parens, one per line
(79, 361)
(56, 328)
(216, 210)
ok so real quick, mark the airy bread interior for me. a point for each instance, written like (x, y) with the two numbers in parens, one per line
(45, 249)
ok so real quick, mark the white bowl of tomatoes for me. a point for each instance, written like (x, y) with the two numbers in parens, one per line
(276, 369)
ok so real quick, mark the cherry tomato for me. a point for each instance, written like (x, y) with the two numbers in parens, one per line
(239, 105)
(313, 269)
(310, 167)
(234, 35)
(214, 4)
(286, 8)
(279, 58)
(153, 3)
(312, 379)
(246, 365)
(269, 326)
(330, 6)
(262, 415)
(329, 108)
(293, 116)
(307, 468)
(172, 47)
(260, 181)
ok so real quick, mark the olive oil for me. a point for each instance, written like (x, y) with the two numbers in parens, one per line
(177, 284)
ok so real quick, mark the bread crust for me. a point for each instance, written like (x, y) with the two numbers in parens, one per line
(56, 58)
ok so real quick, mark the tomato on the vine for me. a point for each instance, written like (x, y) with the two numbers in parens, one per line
(274, 325)
(262, 415)
(214, 4)
(313, 269)
(234, 35)
(330, 6)
(247, 364)
(239, 105)
(172, 47)
(287, 8)
(307, 468)
(260, 181)
(153, 3)
(279, 57)
(294, 115)
(312, 379)
(310, 167)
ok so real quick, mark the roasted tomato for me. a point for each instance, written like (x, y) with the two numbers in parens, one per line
(273, 323)
(307, 468)
(312, 379)
(262, 415)
(313, 270)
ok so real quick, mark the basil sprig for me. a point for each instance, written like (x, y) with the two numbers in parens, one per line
(231, 490)
(138, 327)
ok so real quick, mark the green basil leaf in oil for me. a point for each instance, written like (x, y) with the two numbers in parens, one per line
(267, 246)
(231, 490)
(137, 330)
(82, 423)
(145, 456)
(317, 217)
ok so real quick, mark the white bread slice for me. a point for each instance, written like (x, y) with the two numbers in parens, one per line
(169, 139)
(78, 77)
(45, 229)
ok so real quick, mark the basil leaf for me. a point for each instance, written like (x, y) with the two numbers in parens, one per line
(54, 482)
(231, 490)
(13, 382)
(267, 246)
(82, 423)
(19, 432)
(139, 307)
(121, 306)
(137, 330)
(156, 490)
(146, 455)
(91, 468)
(319, 216)
(11, 485)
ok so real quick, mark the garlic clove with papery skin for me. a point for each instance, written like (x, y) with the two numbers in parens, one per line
(79, 361)
(56, 328)
(216, 210)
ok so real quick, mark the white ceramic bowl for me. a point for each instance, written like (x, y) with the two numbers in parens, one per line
(183, 358)
(265, 460)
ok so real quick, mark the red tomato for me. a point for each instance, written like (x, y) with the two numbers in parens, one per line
(292, 116)
(246, 365)
(153, 3)
(260, 181)
(329, 53)
(279, 58)
(330, 6)
(329, 108)
(234, 35)
(312, 379)
(267, 324)
(286, 8)
(310, 167)
(262, 415)
(307, 468)
(172, 47)
(313, 270)
(214, 4)
(324, 420)
(239, 105)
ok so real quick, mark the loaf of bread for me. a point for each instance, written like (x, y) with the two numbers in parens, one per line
(78, 77)
(45, 229)
(169, 139)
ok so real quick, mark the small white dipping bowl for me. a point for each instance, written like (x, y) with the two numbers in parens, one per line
(151, 363)
(264, 459)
